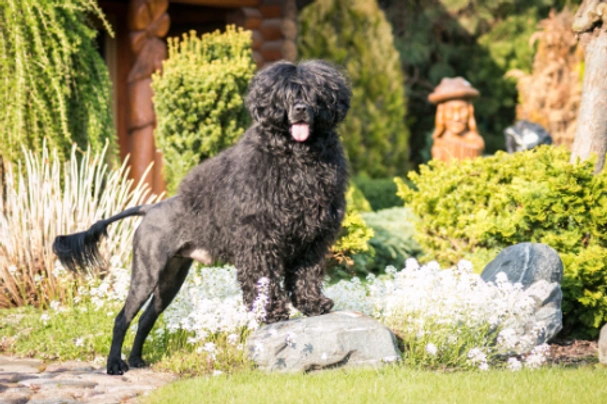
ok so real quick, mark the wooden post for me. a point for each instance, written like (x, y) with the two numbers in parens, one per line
(148, 23)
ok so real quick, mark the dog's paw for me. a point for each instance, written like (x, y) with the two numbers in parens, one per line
(272, 318)
(116, 367)
(317, 307)
(137, 362)
(326, 305)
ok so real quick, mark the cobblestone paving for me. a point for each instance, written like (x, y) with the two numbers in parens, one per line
(31, 381)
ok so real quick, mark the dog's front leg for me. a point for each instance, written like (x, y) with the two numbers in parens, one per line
(304, 282)
(260, 272)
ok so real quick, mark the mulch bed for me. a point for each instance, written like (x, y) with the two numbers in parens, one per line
(574, 353)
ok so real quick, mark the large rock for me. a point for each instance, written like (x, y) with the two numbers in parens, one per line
(526, 263)
(539, 269)
(603, 345)
(338, 339)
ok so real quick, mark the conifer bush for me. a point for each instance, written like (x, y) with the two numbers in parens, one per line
(356, 35)
(380, 192)
(54, 83)
(198, 98)
(476, 208)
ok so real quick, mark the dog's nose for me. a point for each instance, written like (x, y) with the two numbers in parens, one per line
(300, 108)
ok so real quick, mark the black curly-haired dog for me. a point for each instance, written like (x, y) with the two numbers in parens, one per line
(272, 204)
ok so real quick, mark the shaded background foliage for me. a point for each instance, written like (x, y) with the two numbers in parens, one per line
(479, 40)
(356, 35)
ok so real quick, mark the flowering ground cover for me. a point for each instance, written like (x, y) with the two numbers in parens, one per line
(445, 319)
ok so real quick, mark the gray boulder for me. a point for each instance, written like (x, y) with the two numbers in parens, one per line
(337, 339)
(603, 345)
(539, 269)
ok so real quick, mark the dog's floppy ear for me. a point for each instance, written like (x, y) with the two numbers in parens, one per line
(265, 99)
(331, 87)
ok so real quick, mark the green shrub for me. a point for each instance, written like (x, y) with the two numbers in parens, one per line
(392, 241)
(54, 84)
(356, 35)
(198, 98)
(476, 208)
(380, 192)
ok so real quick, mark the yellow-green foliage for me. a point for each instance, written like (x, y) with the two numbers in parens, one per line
(198, 98)
(355, 232)
(356, 35)
(476, 208)
(53, 82)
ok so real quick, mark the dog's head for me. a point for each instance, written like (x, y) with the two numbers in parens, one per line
(303, 100)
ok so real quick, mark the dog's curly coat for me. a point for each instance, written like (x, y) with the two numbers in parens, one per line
(272, 204)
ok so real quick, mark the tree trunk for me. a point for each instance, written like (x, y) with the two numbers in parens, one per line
(591, 132)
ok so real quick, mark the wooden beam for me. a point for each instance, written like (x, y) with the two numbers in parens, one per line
(148, 23)
(220, 3)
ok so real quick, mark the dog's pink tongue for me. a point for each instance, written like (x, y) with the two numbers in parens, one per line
(300, 131)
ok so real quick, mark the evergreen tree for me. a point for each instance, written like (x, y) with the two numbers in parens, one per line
(356, 35)
(54, 83)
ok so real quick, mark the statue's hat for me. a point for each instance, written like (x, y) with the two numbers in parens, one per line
(453, 89)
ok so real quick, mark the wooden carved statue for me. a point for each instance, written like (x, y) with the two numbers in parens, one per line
(455, 135)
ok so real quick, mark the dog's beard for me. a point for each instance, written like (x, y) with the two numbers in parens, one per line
(300, 131)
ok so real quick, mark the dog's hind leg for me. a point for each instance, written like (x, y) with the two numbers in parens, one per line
(172, 278)
(149, 261)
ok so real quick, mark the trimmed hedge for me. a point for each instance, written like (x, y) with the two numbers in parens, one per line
(476, 208)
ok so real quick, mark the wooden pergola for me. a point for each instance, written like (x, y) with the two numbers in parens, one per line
(138, 49)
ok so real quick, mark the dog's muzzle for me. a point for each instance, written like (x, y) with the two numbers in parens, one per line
(300, 116)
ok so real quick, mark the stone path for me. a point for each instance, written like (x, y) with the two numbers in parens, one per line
(31, 381)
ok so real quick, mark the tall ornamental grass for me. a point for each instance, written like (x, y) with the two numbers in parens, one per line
(42, 198)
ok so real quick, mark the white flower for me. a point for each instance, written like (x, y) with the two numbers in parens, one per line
(79, 341)
(45, 318)
(431, 349)
(411, 264)
(483, 366)
(514, 364)
(12, 269)
(476, 355)
(233, 339)
(537, 357)
(217, 372)
(507, 338)
(465, 266)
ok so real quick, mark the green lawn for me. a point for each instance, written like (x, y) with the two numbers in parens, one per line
(393, 385)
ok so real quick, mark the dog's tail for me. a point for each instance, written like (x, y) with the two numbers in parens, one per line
(79, 250)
